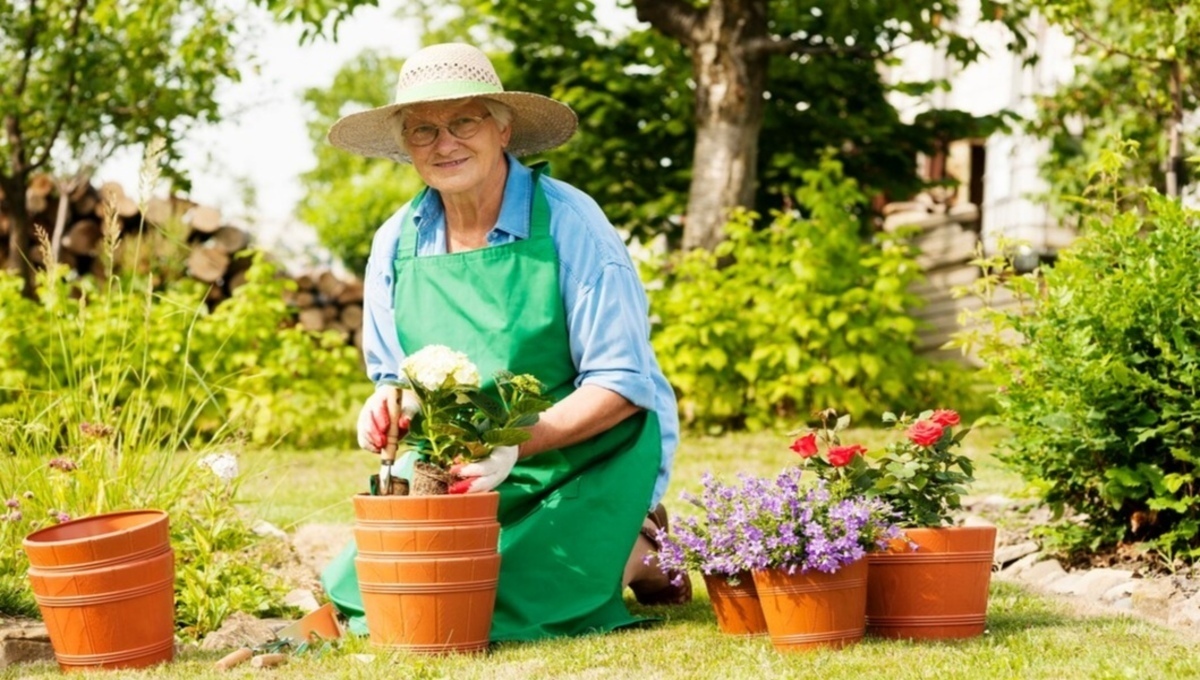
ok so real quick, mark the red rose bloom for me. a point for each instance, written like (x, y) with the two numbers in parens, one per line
(945, 417)
(925, 433)
(806, 446)
(842, 455)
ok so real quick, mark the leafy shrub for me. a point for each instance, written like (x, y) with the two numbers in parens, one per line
(220, 562)
(798, 316)
(1099, 373)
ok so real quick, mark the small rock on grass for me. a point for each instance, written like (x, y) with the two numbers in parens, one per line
(1152, 598)
(302, 599)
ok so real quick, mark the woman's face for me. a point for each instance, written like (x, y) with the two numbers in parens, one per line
(452, 165)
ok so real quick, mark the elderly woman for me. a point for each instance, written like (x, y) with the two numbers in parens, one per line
(522, 273)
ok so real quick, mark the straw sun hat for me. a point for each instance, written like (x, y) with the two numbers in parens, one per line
(445, 73)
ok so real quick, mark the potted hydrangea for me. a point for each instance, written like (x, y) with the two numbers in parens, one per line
(934, 584)
(428, 561)
(457, 422)
(805, 547)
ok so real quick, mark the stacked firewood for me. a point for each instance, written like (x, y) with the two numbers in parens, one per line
(325, 302)
(172, 237)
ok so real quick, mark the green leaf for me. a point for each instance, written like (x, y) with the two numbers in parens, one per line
(489, 405)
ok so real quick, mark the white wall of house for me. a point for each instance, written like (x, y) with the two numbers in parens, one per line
(998, 81)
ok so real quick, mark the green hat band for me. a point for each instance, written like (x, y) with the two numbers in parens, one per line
(445, 89)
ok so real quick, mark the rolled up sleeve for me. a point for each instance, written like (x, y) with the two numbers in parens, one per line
(381, 347)
(610, 335)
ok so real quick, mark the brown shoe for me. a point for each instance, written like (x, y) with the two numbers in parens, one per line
(669, 594)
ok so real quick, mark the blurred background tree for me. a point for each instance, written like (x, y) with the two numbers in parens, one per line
(1135, 79)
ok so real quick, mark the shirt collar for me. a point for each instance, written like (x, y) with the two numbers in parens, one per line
(515, 207)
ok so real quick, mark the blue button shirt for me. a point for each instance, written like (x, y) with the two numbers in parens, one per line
(606, 308)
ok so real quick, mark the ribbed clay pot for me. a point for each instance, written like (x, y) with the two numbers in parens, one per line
(937, 592)
(736, 606)
(427, 568)
(815, 609)
(105, 586)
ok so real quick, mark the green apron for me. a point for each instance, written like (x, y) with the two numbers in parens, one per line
(568, 518)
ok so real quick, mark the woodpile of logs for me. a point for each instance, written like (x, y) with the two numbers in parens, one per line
(324, 302)
(173, 237)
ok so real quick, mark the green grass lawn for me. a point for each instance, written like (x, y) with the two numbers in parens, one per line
(1027, 636)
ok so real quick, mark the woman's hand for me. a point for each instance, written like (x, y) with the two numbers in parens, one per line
(484, 474)
(389, 406)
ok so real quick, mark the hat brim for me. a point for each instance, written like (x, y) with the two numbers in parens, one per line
(538, 124)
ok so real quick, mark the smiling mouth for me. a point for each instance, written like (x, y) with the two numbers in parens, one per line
(451, 164)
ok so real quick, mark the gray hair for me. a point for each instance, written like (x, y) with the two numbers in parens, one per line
(499, 111)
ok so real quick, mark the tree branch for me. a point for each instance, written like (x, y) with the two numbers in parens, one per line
(27, 56)
(1111, 49)
(675, 18)
(69, 95)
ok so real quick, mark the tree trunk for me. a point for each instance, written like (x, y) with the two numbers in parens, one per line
(1174, 144)
(20, 228)
(731, 76)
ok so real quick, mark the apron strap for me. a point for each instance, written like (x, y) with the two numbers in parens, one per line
(408, 229)
(539, 214)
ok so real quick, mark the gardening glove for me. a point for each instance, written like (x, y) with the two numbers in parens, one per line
(485, 474)
(388, 406)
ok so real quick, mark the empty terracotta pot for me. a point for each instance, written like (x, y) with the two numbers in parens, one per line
(939, 591)
(806, 611)
(105, 586)
(737, 607)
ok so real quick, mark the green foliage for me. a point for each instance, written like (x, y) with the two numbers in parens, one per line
(220, 564)
(279, 382)
(1099, 371)
(103, 74)
(315, 17)
(1127, 53)
(794, 317)
(236, 368)
(348, 196)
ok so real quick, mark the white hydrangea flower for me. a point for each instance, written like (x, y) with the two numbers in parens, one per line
(438, 367)
(223, 465)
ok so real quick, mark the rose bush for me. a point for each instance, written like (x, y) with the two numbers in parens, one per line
(918, 473)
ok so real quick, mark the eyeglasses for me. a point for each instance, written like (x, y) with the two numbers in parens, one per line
(465, 127)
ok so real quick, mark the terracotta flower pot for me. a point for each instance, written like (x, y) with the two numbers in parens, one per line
(805, 611)
(106, 588)
(428, 567)
(938, 592)
(737, 608)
